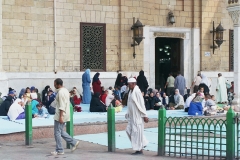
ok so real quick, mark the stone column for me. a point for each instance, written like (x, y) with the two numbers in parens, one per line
(234, 12)
(3, 77)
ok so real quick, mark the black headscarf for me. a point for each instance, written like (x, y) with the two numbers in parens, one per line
(118, 80)
(96, 77)
(142, 81)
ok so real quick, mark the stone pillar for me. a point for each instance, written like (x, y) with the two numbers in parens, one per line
(3, 77)
(234, 12)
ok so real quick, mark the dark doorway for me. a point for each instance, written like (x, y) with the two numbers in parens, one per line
(167, 59)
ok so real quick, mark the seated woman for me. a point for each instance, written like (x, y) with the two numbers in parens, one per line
(16, 110)
(188, 101)
(146, 101)
(178, 101)
(96, 105)
(76, 97)
(34, 104)
(42, 112)
(164, 99)
(158, 102)
(24, 99)
(196, 105)
(151, 101)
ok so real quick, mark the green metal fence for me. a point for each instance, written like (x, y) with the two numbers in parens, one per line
(237, 120)
(199, 137)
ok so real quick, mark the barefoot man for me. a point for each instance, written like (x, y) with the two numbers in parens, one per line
(62, 116)
(136, 116)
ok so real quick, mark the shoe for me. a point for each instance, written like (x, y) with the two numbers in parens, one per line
(57, 153)
(75, 147)
(138, 153)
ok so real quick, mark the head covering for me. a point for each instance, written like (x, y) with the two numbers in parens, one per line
(96, 77)
(33, 95)
(118, 80)
(21, 92)
(204, 79)
(76, 93)
(163, 98)
(15, 110)
(155, 91)
(32, 88)
(132, 80)
(87, 71)
(110, 92)
(11, 92)
(177, 96)
(141, 73)
(47, 87)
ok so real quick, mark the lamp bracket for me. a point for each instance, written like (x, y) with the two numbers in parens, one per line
(214, 47)
(133, 45)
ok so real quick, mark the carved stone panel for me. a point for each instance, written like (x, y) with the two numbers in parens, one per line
(170, 35)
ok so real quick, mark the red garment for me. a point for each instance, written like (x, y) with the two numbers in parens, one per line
(76, 100)
(97, 87)
(103, 98)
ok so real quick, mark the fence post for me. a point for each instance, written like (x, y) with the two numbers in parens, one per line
(161, 131)
(69, 126)
(230, 148)
(28, 124)
(111, 128)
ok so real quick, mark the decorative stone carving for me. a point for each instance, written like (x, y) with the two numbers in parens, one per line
(235, 17)
(171, 35)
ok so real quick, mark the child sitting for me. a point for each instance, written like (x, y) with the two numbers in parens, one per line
(117, 92)
(201, 91)
(210, 105)
(42, 112)
(230, 96)
(118, 105)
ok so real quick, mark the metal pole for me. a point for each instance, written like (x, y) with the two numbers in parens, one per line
(230, 134)
(28, 124)
(69, 126)
(111, 129)
(161, 131)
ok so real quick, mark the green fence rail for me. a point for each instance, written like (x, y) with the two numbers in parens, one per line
(28, 124)
(199, 137)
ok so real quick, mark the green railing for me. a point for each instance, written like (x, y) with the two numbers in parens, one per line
(197, 138)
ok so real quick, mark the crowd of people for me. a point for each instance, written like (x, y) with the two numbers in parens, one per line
(175, 96)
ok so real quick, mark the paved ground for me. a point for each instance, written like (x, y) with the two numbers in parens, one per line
(86, 151)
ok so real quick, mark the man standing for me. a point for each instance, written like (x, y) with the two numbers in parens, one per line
(221, 89)
(170, 84)
(62, 116)
(136, 116)
(180, 83)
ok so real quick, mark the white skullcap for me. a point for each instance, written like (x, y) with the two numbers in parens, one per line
(131, 80)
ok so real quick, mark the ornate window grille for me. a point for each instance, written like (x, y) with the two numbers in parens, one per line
(93, 46)
(231, 50)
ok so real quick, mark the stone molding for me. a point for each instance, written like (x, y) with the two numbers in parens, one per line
(234, 12)
(170, 35)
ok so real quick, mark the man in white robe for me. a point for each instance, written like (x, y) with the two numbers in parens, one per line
(136, 116)
(221, 89)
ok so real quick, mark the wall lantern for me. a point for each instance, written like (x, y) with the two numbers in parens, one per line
(171, 18)
(219, 36)
(137, 34)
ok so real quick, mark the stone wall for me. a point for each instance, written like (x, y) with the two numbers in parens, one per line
(215, 10)
(28, 31)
